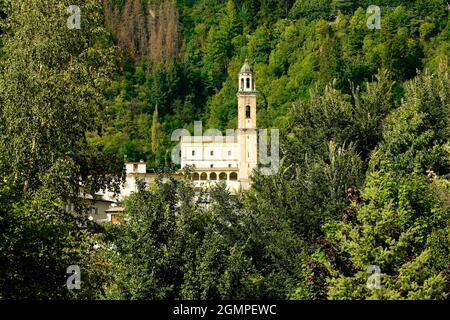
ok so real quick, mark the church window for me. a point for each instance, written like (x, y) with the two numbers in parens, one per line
(213, 176)
(195, 176)
(247, 112)
(222, 176)
(203, 176)
(242, 83)
(233, 176)
(248, 83)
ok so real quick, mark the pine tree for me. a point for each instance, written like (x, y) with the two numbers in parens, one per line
(220, 44)
(155, 133)
(344, 6)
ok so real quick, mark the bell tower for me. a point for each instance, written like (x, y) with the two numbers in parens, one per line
(247, 135)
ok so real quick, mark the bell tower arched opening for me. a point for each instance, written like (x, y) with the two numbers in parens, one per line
(248, 112)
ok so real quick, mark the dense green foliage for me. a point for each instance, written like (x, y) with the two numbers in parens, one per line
(52, 93)
(294, 47)
(312, 230)
(364, 178)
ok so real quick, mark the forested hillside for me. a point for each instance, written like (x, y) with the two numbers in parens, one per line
(185, 59)
(364, 177)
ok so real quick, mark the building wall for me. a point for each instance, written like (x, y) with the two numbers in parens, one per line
(246, 99)
(198, 154)
(247, 135)
(232, 186)
(97, 209)
(136, 167)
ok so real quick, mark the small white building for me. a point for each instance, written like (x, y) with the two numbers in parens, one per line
(134, 171)
(230, 158)
(107, 206)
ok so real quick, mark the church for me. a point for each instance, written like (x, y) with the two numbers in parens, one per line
(212, 158)
(230, 158)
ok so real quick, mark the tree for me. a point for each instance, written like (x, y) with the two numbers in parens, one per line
(39, 241)
(311, 9)
(400, 220)
(155, 132)
(416, 134)
(392, 231)
(145, 29)
(147, 255)
(176, 246)
(370, 110)
(53, 82)
(344, 6)
(221, 43)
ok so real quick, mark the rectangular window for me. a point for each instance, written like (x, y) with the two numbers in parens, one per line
(229, 152)
(212, 165)
(193, 152)
(211, 152)
(229, 166)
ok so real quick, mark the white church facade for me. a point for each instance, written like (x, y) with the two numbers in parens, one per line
(213, 158)
(229, 158)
